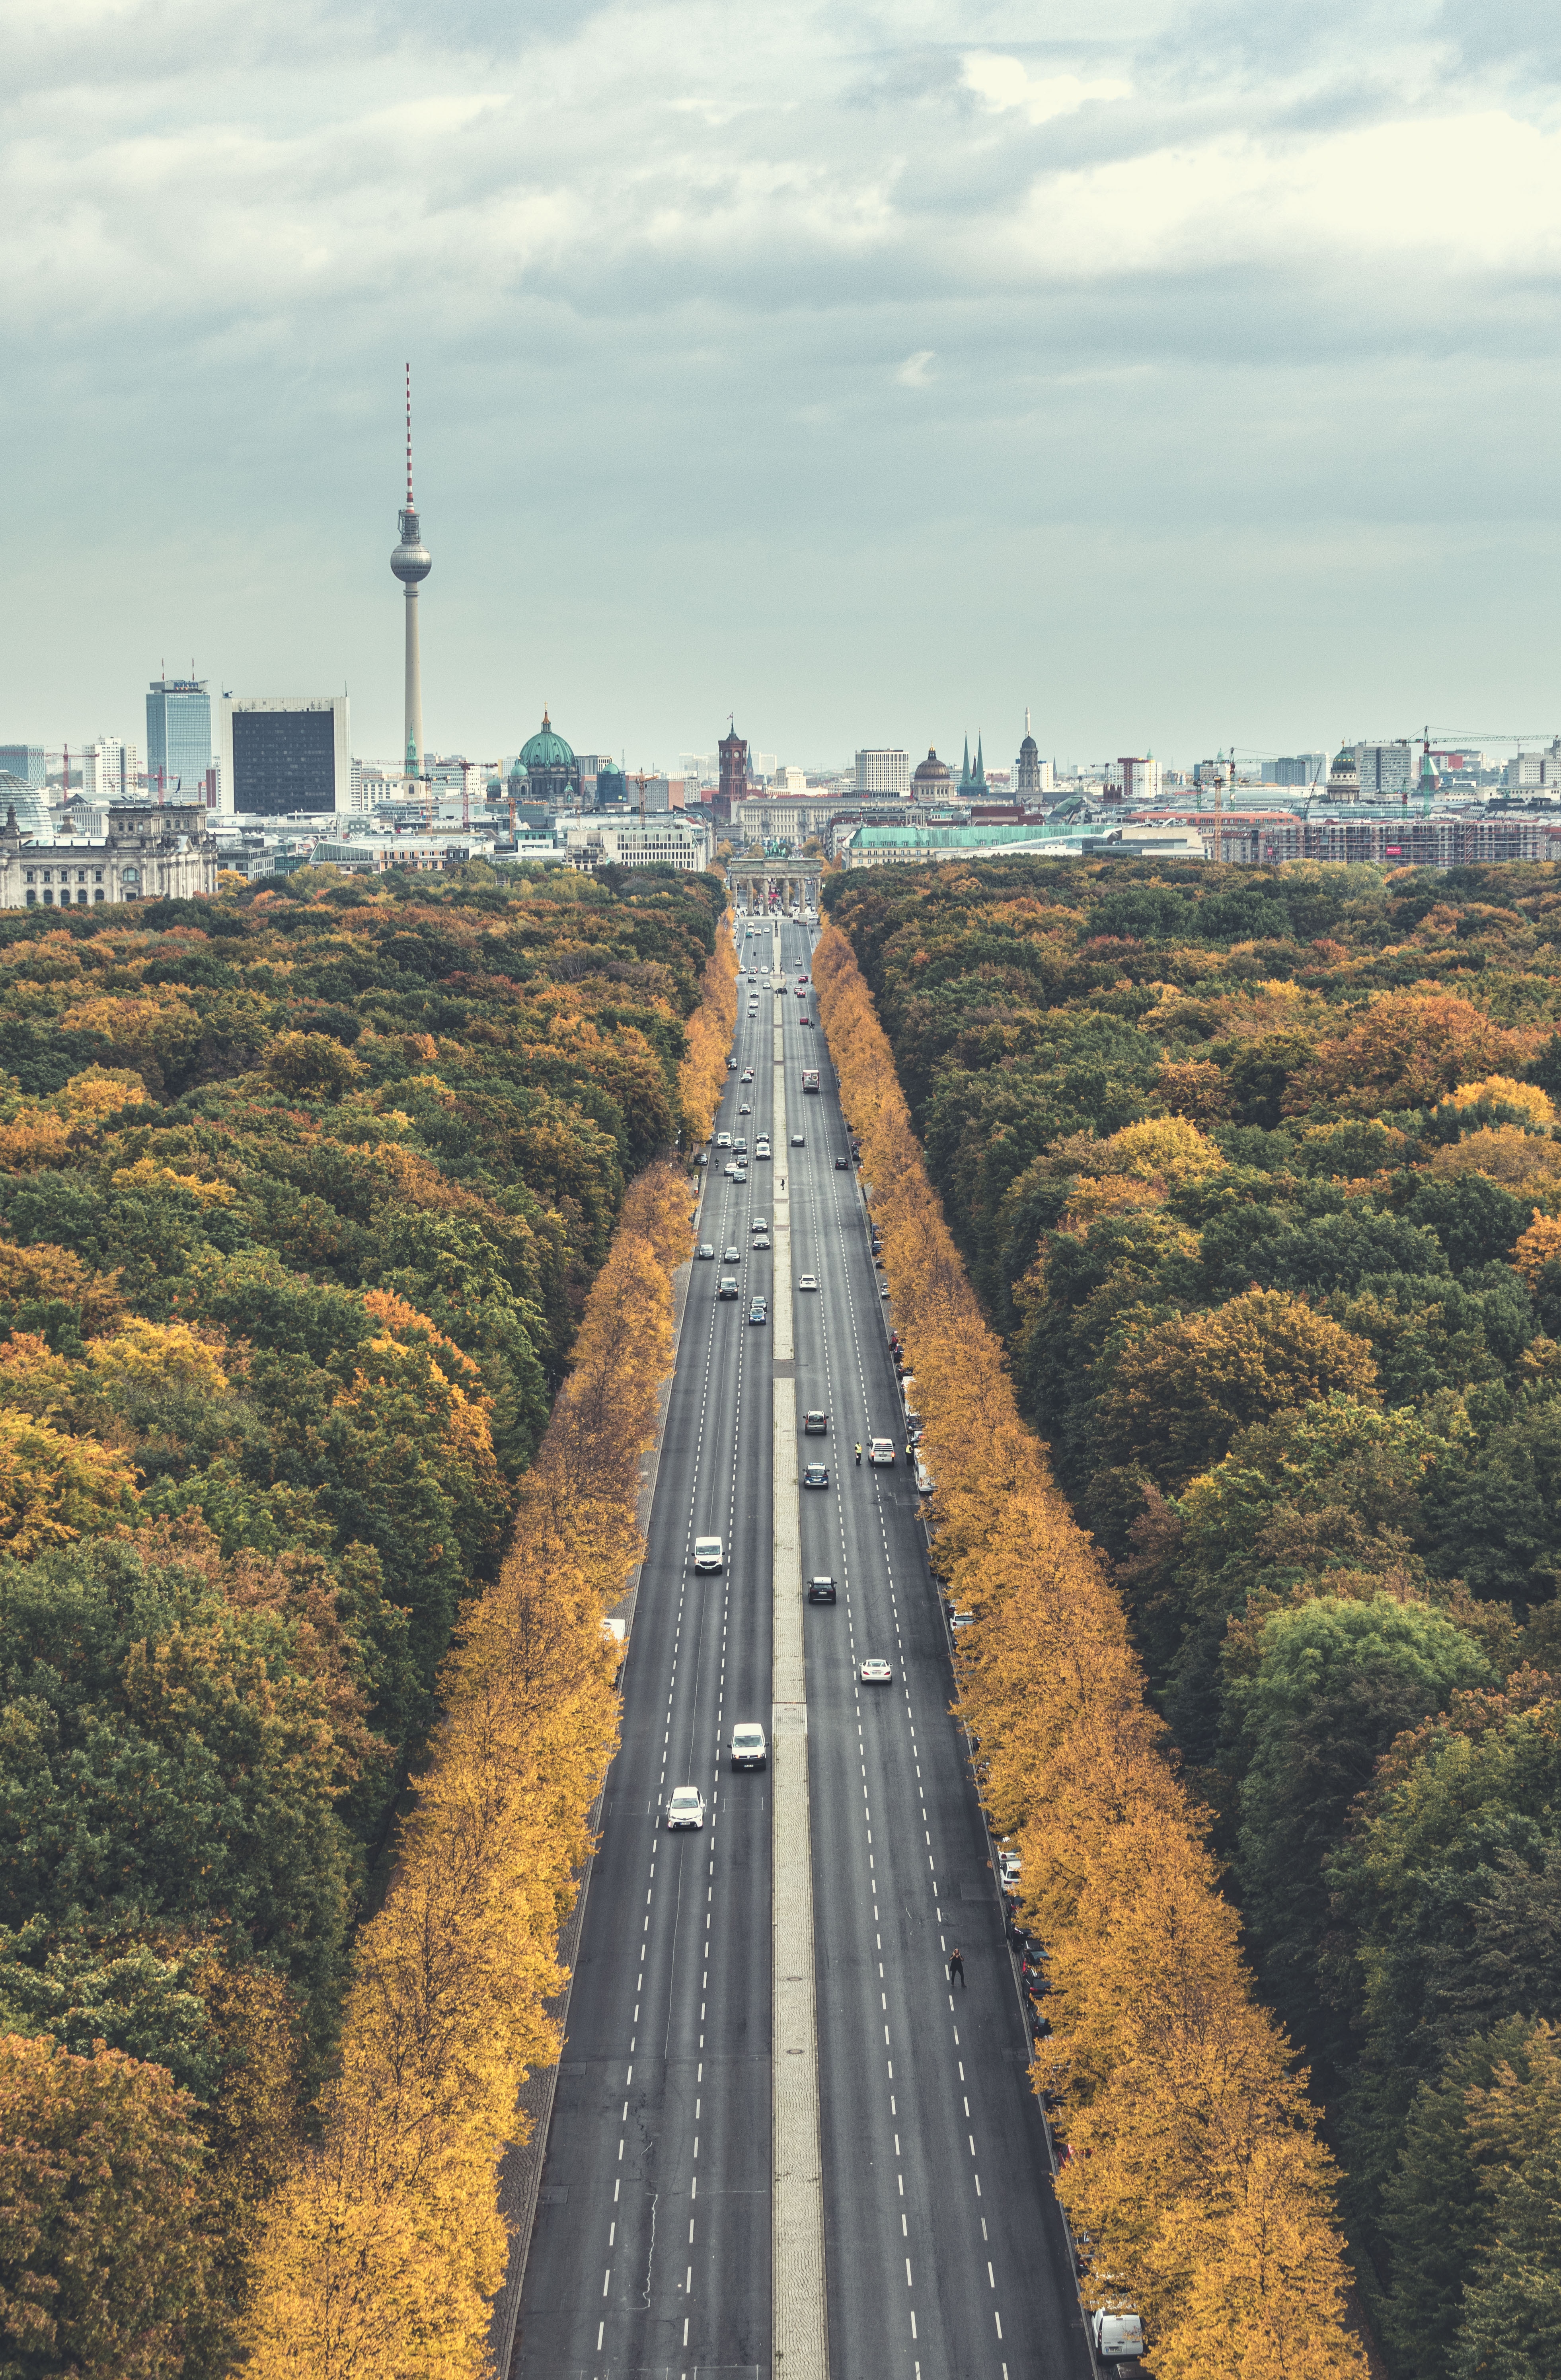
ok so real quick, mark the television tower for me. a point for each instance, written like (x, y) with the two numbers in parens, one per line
(411, 561)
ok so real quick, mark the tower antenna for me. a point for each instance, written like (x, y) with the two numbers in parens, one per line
(412, 562)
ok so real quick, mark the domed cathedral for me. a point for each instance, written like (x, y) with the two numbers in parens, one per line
(550, 768)
(1344, 775)
(932, 781)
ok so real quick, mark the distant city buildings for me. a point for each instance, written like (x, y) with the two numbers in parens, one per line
(110, 771)
(1296, 768)
(1132, 780)
(1386, 771)
(25, 763)
(1528, 771)
(178, 738)
(283, 755)
(882, 769)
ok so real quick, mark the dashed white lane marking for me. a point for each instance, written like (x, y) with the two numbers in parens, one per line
(807, 1223)
(708, 1428)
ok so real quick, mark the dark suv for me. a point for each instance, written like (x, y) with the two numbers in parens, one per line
(815, 1425)
(820, 1590)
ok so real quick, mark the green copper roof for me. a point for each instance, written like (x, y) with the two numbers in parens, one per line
(546, 750)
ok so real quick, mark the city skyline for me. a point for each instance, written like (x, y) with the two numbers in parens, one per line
(1186, 375)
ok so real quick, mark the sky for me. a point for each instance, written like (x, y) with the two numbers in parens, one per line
(865, 373)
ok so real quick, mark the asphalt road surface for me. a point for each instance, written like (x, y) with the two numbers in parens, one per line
(650, 2252)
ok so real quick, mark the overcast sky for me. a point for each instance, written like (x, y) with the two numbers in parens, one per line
(1188, 373)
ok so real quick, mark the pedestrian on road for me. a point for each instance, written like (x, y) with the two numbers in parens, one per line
(957, 1967)
(859, 1454)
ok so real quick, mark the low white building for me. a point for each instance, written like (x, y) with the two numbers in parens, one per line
(149, 852)
(670, 841)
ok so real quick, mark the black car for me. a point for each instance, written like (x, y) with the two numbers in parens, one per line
(728, 1286)
(842, 1165)
(820, 1590)
(815, 1425)
(705, 1253)
(816, 1474)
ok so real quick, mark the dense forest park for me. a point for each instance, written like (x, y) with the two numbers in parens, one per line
(337, 1222)
(1252, 1180)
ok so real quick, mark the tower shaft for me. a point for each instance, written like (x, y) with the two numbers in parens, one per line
(414, 688)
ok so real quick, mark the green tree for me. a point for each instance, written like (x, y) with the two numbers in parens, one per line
(1333, 1683)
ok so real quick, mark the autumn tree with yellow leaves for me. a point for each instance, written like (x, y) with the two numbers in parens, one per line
(386, 2242)
(1193, 2160)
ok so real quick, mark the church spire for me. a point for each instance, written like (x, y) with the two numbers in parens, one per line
(981, 765)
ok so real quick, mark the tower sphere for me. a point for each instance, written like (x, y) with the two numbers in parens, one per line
(411, 560)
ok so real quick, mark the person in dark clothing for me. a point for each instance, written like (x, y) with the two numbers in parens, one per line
(957, 1967)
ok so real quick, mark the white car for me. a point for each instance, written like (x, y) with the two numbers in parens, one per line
(749, 1747)
(730, 1169)
(686, 1807)
(876, 1674)
(881, 1450)
(808, 1281)
(723, 1140)
(761, 1154)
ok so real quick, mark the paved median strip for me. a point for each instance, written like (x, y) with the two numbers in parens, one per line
(799, 2309)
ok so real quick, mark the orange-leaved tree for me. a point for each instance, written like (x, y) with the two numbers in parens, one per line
(707, 1035)
(1192, 2155)
(386, 2241)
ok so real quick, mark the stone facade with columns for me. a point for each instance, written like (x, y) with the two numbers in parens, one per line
(149, 852)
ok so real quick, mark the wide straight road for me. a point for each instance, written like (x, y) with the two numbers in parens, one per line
(651, 2253)
(946, 2251)
(651, 2248)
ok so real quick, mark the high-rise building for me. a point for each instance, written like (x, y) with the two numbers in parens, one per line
(110, 771)
(1296, 768)
(882, 769)
(282, 753)
(412, 562)
(178, 738)
(1132, 779)
(1386, 771)
(24, 760)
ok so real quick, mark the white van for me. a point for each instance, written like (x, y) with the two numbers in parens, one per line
(749, 1747)
(707, 1553)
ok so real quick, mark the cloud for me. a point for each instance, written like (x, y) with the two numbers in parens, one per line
(1004, 84)
(1277, 280)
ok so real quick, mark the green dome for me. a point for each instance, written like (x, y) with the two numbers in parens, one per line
(547, 750)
